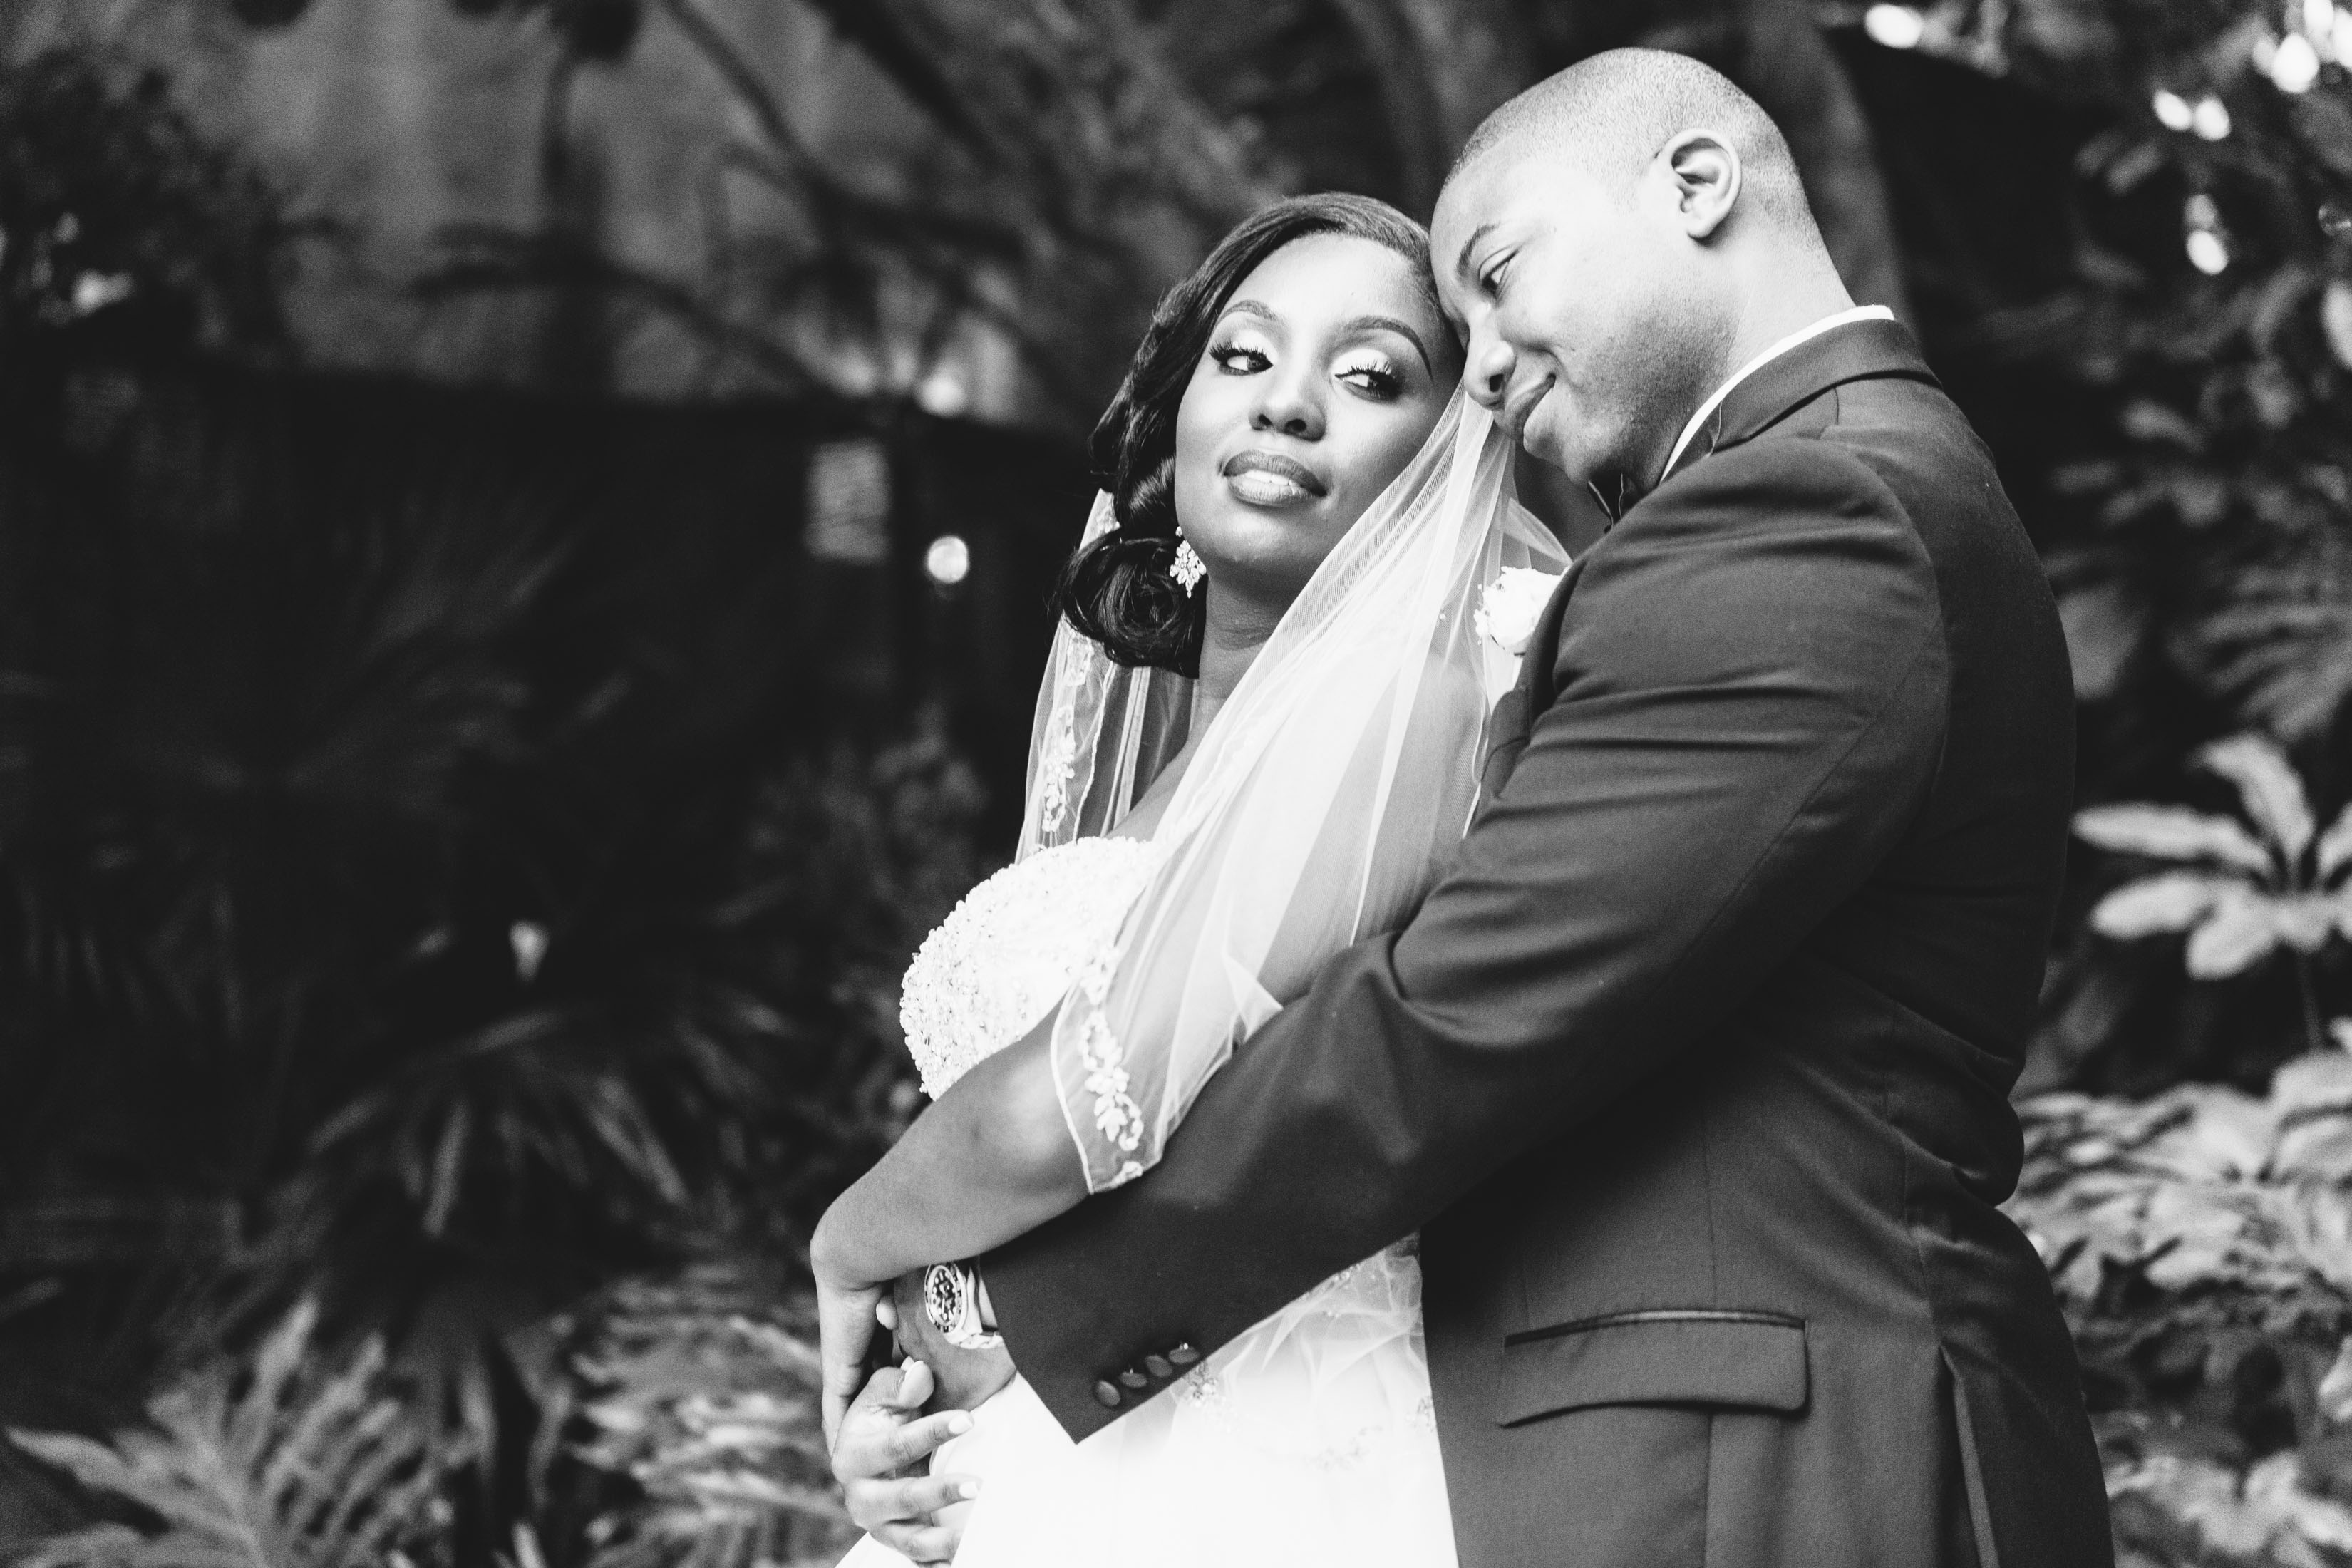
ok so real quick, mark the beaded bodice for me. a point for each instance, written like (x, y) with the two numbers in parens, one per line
(1006, 956)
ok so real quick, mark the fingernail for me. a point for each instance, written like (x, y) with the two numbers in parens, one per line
(966, 1488)
(959, 1424)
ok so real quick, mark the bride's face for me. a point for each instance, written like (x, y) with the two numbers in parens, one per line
(1323, 377)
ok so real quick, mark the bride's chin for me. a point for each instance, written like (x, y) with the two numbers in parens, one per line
(1265, 578)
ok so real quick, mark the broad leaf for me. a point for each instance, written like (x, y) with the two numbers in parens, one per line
(2305, 920)
(2317, 1080)
(2240, 932)
(2173, 902)
(2335, 1388)
(2226, 1136)
(2266, 782)
(2172, 833)
(2317, 1219)
(2336, 845)
(2316, 1148)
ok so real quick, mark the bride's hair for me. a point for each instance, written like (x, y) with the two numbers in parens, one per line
(1118, 590)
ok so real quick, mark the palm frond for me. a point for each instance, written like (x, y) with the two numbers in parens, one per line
(286, 1461)
(2279, 645)
(702, 1392)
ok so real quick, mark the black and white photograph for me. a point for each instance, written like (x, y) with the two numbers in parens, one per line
(1195, 784)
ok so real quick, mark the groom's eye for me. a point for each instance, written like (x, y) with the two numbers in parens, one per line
(1490, 281)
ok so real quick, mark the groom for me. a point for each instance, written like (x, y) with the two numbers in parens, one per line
(1692, 1072)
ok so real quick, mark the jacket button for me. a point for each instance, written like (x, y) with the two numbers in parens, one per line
(1183, 1355)
(1134, 1379)
(1158, 1366)
(1107, 1393)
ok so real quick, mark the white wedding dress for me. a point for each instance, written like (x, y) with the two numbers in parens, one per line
(1307, 1440)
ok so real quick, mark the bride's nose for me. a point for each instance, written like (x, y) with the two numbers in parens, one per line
(1288, 403)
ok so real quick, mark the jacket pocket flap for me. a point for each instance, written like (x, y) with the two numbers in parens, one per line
(1753, 1361)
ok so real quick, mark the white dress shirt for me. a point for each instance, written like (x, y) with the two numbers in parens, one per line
(1859, 314)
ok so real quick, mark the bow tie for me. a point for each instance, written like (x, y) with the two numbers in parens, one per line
(1620, 487)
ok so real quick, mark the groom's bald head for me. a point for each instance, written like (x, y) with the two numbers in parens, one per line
(1611, 244)
(1609, 116)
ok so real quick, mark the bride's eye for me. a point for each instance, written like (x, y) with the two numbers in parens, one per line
(1490, 281)
(1371, 373)
(1239, 358)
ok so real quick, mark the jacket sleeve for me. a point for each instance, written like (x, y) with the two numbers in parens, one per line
(1750, 687)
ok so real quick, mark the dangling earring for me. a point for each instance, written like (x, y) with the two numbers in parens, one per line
(1187, 568)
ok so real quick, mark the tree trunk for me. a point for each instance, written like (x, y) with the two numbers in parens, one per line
(1443, 65)
(1786, 65)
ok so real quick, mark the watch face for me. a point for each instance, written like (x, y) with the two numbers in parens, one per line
(944, 1297)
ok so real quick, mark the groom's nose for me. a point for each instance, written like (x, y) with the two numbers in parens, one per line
(1487, 370)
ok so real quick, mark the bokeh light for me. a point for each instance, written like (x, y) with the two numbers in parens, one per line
(1897, 27)
(943, 395)
(2294, 66)
(948, 560)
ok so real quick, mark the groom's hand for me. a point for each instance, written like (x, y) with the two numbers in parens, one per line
(884, 1445)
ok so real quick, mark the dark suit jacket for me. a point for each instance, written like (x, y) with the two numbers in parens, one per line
(1692, 1070)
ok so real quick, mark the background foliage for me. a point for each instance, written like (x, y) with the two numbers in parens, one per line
(454, 895)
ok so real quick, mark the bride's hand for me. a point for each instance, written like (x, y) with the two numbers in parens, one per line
(965, 1378)
(882, 1462)
(845, 1325)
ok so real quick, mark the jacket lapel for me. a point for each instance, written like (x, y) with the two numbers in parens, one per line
(1859, 351)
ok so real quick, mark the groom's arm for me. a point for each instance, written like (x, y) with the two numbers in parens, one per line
(1751, 689)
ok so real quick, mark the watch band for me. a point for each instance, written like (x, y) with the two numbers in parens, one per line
(951, 1302)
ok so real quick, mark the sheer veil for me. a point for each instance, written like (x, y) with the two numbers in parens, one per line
(1319, 807)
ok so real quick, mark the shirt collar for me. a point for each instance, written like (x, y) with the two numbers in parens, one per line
(1806, 335)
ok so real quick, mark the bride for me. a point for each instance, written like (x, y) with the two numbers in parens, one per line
(1256, 743)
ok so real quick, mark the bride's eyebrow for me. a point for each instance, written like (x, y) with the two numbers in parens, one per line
(1250, 307)
(1390, 324)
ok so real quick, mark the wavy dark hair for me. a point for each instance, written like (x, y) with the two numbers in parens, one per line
(1118, 590)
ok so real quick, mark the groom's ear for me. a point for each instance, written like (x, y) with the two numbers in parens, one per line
(1705, 173)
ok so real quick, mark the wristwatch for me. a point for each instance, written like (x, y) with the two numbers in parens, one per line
(952, 1301)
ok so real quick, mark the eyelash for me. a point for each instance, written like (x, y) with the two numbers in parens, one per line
(1379, 381)
(1491, 279)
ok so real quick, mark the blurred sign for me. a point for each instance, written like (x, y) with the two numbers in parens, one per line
(849, 502)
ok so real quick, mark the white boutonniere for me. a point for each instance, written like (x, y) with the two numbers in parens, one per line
(1508, 611)
(1505, 619)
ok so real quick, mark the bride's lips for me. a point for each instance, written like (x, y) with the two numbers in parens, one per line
(1269, 478)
